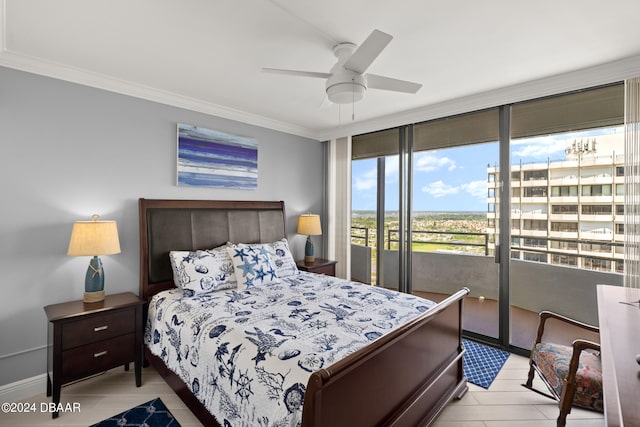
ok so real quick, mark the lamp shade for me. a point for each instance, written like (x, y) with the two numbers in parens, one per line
(91, 238)
(309, 224)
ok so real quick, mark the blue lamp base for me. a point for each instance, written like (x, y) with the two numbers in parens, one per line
(308, 251)
(94, 281)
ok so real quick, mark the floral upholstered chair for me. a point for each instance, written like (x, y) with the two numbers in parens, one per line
(573, 373)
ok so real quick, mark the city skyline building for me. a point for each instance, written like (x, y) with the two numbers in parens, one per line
(567, 212)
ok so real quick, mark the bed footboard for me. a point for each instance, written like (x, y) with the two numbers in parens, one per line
(405, 378)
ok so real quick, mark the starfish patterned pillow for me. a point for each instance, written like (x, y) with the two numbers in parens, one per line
(203, 271)
(252, 264)
(282, 258)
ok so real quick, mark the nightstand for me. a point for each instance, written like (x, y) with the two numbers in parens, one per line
(85, 339)
(319, 265)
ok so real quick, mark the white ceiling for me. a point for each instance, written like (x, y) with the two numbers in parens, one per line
(207, 55)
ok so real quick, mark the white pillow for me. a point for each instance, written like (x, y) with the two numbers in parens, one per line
(203, 270)
(252, 264)
(282, 258)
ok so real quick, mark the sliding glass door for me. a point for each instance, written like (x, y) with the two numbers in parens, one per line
(567, 205)
(453, 206)
(422, 203)
(375, 209)
(522, 204)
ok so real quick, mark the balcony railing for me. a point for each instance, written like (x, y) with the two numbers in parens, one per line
(590, 250)
(447, 242)
(360, 236)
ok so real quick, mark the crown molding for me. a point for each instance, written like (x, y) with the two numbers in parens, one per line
(100, 81)
(59, 71)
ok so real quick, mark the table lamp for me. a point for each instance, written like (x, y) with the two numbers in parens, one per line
(93, 238)
(309, 224)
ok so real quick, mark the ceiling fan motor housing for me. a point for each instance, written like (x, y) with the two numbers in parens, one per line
(346, 87)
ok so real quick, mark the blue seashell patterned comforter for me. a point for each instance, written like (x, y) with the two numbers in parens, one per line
(247, 355)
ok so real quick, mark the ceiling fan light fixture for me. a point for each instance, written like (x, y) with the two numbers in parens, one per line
(346, 93)
(346, 87)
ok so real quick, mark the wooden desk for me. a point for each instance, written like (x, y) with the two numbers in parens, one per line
(620, 343)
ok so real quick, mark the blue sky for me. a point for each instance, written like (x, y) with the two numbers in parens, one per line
(454, 179)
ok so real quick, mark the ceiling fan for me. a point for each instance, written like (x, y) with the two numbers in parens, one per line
(347, 81)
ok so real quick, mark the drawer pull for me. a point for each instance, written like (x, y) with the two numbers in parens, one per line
(101, 328)
(102, 353)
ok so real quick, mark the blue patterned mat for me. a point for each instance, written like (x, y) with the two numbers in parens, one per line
(151, 414)
(482, 363)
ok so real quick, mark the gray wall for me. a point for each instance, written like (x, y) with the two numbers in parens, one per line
(68, 151)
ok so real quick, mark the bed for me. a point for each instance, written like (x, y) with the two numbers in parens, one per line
(402, 378)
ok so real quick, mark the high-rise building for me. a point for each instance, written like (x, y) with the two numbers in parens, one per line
(568, 212)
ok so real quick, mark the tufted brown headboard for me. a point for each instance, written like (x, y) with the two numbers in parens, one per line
(167, 225)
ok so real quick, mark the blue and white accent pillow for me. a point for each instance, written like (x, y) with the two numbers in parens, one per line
(252, 264)
(282, 258)
(203, 270)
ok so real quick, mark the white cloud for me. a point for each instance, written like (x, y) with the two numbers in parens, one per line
(476, 189)
(369, 179)
(429, 163)
(440, 189)
(391, 168)
(366, 181)
(537, 148)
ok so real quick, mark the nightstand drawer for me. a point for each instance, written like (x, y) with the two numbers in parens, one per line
(319, 266)
(97, 328)
(329, 270)
(97, 357)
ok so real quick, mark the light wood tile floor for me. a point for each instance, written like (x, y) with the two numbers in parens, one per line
(505, 404)
(101, 397)
(508, 404)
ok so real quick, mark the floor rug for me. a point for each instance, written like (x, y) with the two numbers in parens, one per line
(482, 363)
(152, 414)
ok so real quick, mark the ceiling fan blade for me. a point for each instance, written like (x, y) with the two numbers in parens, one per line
(368, 51)
(387, 83)
(297, 73)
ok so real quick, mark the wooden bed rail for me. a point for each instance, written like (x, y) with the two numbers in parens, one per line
(405, 378)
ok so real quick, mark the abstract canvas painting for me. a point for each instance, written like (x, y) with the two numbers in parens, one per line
(209, 158)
